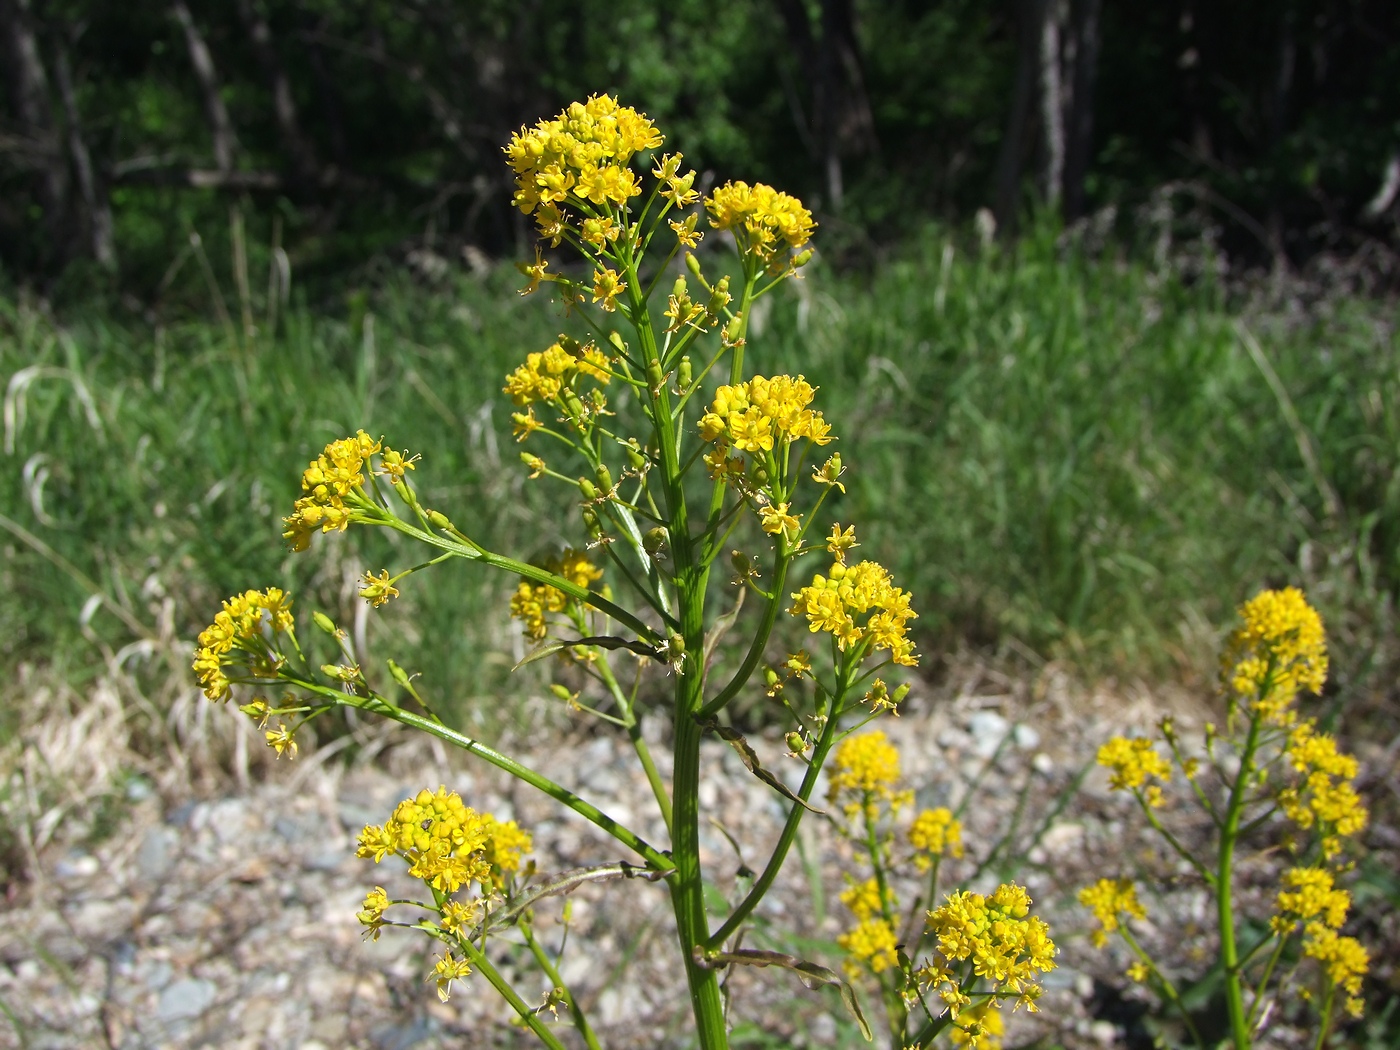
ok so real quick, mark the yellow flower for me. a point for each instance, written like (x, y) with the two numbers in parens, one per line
(237, 636)
(764, 413)
(282, 741)
(440, 837)
(505, 843)
(1311, 895)
(546, 375)
(873, 943)
(607, 286)
(839, 542)
(863, 899)
(1138, 973)
(1343, 959)
(331, 479)
(377, 590)
(864, 765)
(776, 519)
(935, 833)
(685, 232)
(1322, 796)
(1005, 944)
(1133, 764)
(978, 1027)
(765, 223)
(1111, 901)
(830, 473)
(1281, 648)
(536, 273)
(837, 603)
(533, 602)
(446, 971)
(372, 915)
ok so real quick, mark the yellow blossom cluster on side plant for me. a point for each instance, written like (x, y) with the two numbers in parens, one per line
(447, 845)
(765, 222)
(859, 605)
(237, 637)
(533, 602)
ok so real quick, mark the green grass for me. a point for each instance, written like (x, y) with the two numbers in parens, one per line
(1082, 457)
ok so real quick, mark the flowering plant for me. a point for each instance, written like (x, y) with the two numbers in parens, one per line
(1271, 774)
(670, 445)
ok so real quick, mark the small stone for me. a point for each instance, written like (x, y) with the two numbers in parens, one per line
(1026, 737)
(77, 866)
(822, 1029)
(186, 998)
(1043, 764)
(988, 730)
(156, 854)
(1105, 1033)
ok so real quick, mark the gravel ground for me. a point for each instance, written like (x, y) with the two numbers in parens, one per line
(228, 920)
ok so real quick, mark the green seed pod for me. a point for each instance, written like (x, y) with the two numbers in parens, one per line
(573, 405)
(655, 378)
(679, 288)
(656, 541)
(604, 476)
(400, 675)
(692, 264)
(802, 258)
(617, 342)
(675, 645)
(561, 691)
(719, 299)
(325, 623)
(592, 523)
(901, 693)
(589, 490)
(635, 457)
(760, 475)
(439, 519)
(742, 563)
(570, 345)
(685, 373)
(795, 743)
(770, 677)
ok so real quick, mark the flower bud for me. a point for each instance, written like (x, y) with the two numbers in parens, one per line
(561, 691)
(692, 264)
(326, 624)
(679, 289)
(399, 674)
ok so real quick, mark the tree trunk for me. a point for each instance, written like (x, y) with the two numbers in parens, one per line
(298, 147)
(220, 127)
(1079, 151)
(1052, 102)
(29, 88)
(95, 200)
(1019, 124)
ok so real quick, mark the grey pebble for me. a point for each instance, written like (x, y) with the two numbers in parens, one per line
(185, 999)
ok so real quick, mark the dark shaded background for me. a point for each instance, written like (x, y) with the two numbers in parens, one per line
(365, 125)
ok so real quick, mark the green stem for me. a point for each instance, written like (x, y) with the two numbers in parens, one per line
(1263, 984)
(639, 745)
(1168, 989)
(1229, 832)
(655, 859)
(789, 832)
(552, 972)
(522, 1009)
(1326, 1025)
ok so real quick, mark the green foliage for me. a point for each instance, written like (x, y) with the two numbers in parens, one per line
(1075, 453)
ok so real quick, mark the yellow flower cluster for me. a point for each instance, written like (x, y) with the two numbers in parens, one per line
(935, 833)
(1006, 945)
(239, 625)
(445, 842)
(765, 223)
(873, 943)
(1133, 763)
(978, 1027)
(866, 768)
(533, 602)
(579, 158)
(764, 413)
(1112, 901)
(866, 589)
(329, 481)
(1323, 796)
(1279, 650)
(545, 376)
(1344, 962)
(1311, 896)
(863, 899)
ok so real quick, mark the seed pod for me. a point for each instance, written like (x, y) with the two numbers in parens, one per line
(635, 458)
(589, 490)
(604, 476)
(685, 373)
(692, 264)
(679, 288)
(802, 258)
(719, 298)
(561, 691)
(439, 519)
(742, 563)
(656, 541)
(655, 378)
(325, 623)
(617, 342)
(900, 693)
(592, 523)
(400, 675)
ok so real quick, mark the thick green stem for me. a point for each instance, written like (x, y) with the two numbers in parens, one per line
(522, 1008)
(1229, 833)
